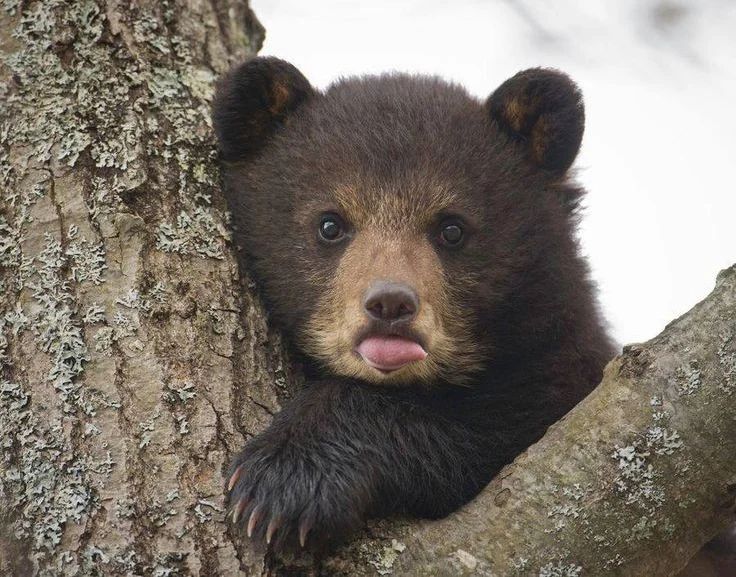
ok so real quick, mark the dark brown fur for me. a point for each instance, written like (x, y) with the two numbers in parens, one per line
(515, 339)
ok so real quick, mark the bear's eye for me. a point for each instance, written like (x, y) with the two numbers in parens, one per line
(331, 228)
(451, 234)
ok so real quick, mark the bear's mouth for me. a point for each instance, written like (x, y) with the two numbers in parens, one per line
(388, 353)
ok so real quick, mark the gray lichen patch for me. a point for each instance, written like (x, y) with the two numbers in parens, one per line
(58, 332)
(205, 509)
(180, 393)
(382, 558)
(560, 569)
(196, 233)
(727, 361)
(568, 507)
(86, 259)
(690, 378)
(637, 465)
(41, 474)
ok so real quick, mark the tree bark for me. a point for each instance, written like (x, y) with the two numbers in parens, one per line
(134, 363)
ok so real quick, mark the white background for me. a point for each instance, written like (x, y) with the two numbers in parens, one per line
(659, 79)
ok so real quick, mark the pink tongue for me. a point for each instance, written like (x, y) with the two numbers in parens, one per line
(390, 353)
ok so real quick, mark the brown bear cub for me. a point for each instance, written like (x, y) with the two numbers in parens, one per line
(417, 248)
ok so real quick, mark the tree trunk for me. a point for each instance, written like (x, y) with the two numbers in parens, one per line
(134, 363)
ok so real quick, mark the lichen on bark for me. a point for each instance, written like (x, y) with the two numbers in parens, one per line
(122, 322)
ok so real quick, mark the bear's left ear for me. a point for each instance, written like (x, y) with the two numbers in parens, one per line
(542, 109)
(252, 101)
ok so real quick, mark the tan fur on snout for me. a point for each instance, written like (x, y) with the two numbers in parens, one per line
(391, 244)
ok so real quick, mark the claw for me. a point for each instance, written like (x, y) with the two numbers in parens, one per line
(234, 478)
(239, 507)
(272, 528)
(255, 516)
(304, 528)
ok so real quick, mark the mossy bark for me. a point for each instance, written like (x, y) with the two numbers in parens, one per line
(134, 362)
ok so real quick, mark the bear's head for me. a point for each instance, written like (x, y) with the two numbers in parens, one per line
(400, 230)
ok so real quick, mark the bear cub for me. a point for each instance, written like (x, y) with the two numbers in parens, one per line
(416, 246)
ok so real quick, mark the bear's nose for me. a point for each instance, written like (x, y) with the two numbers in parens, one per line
(391, 302)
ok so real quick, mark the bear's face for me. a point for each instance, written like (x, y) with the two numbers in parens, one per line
(390, 221)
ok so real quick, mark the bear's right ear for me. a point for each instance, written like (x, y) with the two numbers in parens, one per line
(254, 99)
(541, 110)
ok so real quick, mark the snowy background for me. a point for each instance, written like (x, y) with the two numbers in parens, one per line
(659, 79)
